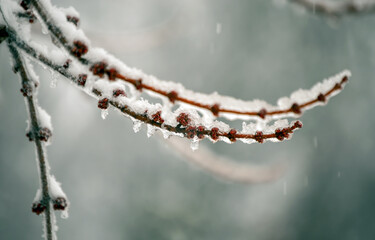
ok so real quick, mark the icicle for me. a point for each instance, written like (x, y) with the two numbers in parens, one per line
(54, 77)
(194, 145)
(137, 125)
(150, 130)
(104, 113)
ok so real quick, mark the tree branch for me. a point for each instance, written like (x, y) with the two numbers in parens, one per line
(37, 135)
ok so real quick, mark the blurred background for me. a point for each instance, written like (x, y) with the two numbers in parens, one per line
(123, 185)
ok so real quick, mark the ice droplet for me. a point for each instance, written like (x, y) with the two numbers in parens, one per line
(150, 130)
(194, 145)
(137, 125)
(104, 113)
(64, 214)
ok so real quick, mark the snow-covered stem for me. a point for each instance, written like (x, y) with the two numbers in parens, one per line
(104, 65)
(35, 135)
(258, 136)
(338, 8)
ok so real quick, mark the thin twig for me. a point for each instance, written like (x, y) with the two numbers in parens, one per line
(258, 136)
(27, 83)
(217, 108)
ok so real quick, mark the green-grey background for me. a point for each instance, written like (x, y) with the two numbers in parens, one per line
(124, 185)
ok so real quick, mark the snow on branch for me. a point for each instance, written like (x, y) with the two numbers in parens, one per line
(107, 78)
(113, 83)
(338, 8)
(104, 65)
(39, 131)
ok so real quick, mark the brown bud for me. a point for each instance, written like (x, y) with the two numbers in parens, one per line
(82, 79)
(103, 103)
(79, 48)
(232, 135)
(295, 108)
(173, 95)
(214, 133)
(262, 113)
(183, 119)
(59, 203)
(215, 109)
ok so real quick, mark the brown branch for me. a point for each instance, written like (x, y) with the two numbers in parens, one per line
(35, 133)
(101, 69)
(184, 129)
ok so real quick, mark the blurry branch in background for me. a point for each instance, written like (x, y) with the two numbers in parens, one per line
(224, 168)
(337, 8)
(112, 83)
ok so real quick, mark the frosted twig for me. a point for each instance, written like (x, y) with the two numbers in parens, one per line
(181, 127)
(104, 65)
(338, 8)
(38, 134)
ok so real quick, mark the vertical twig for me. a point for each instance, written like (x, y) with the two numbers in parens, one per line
(35, 127)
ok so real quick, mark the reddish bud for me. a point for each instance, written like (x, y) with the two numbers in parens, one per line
(60, 203)
(99, 68)
(30, 136)
(38, 208)
(138, 84)
(295, 108)
(157, 117)
(67, 63)
(26, 90)
(281, 134)
(337, 86)
(82, 79)
(103, 103)
(200, 132)
(173, 95)
(112, 74)
(118, 92)
(215, 109)
(262, 113)
(44, 134)
(183, 119)
(321, 98)
(79, 48)
(298, 124)
(25, 4)
(214, 133)
(31, 16)
(73, 20)
(259, 137)
(190, 132)
(344, 79)
(232, 135)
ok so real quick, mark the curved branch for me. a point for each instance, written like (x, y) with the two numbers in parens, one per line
(105, 65)
(178, 127)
